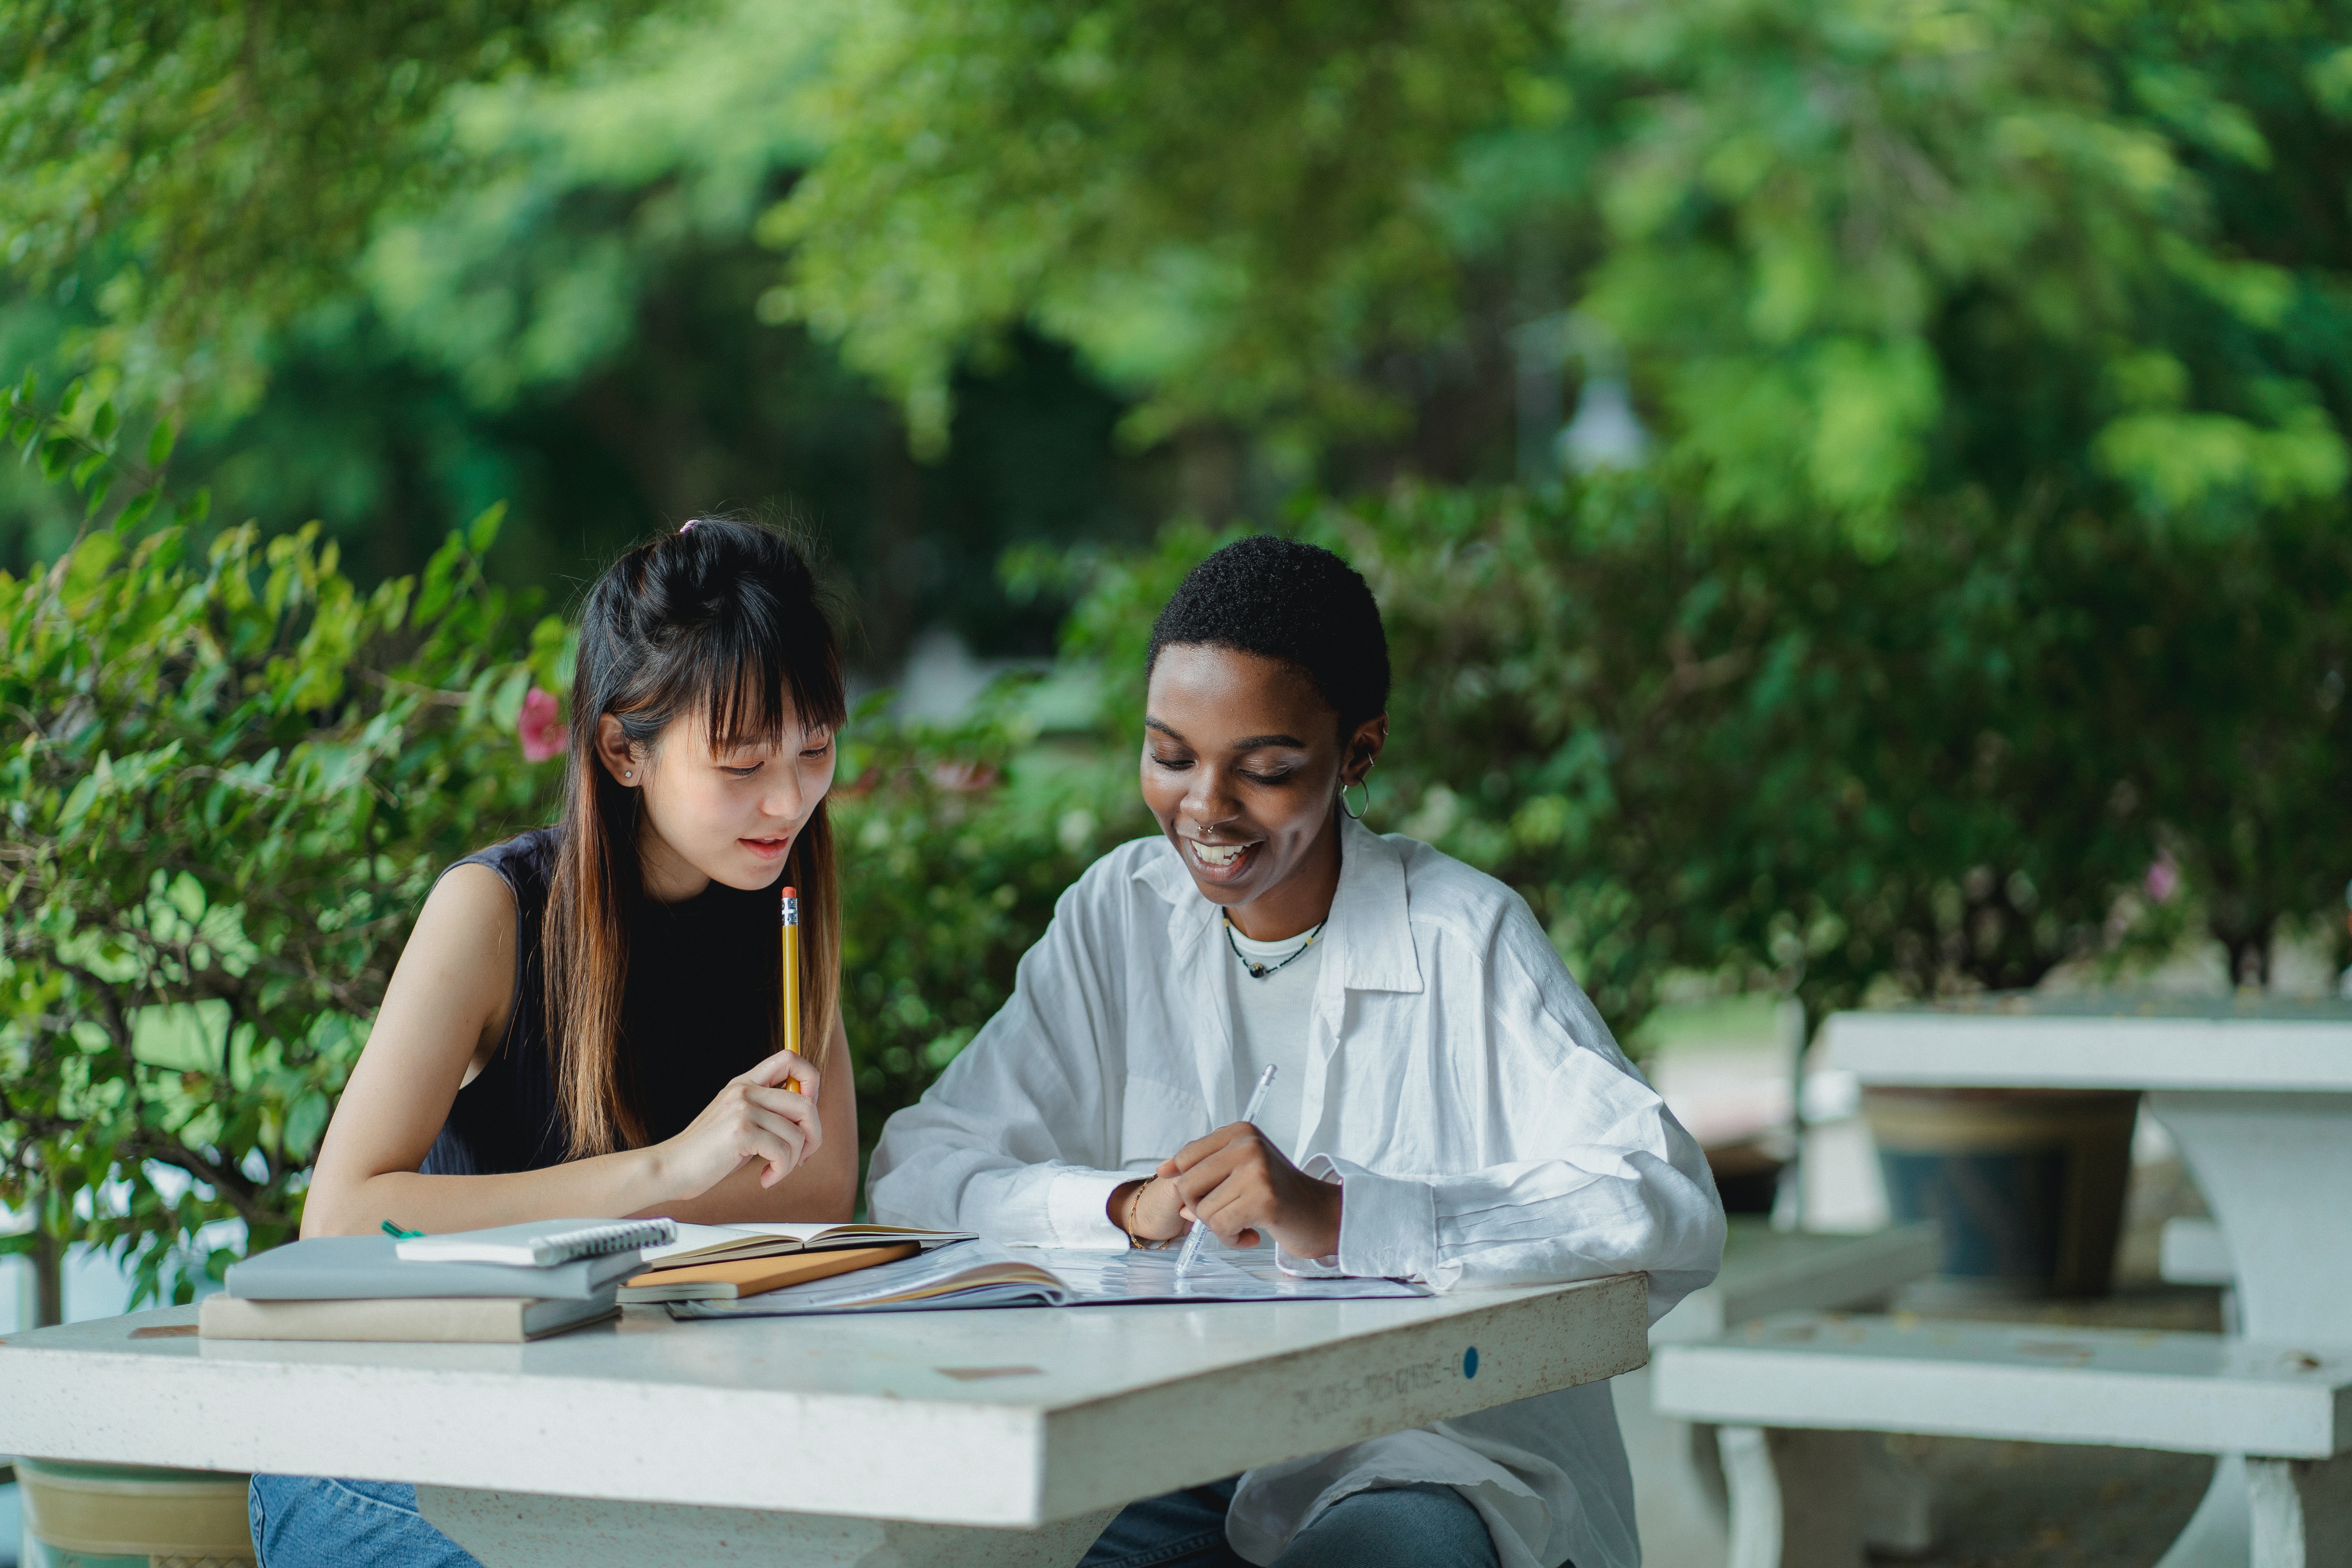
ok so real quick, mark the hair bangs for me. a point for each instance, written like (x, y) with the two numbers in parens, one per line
(757, 679)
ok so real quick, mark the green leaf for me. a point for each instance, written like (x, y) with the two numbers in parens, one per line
(101, 424)
(484, 529)
(90, 564)
(135, 512)
(159, 442)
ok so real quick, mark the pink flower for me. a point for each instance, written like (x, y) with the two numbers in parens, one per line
(2163, 877)
(542, 731)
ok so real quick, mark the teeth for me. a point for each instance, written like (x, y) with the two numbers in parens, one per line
(1218, 855)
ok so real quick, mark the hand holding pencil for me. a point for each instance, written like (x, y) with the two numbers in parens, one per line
(760, 1116)
(766, 1115)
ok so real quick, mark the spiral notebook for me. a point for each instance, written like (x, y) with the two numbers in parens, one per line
(540, 1244)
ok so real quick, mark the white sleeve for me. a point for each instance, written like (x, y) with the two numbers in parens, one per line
(1616, 1184)
(1014, 1140)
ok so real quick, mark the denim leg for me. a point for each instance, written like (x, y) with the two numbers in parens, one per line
(1178, 1530)
(1420, 1526)
(308, 1521)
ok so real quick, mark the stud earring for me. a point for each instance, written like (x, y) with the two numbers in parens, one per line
(628, 775)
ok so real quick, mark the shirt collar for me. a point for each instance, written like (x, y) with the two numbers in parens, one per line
(1370, 936)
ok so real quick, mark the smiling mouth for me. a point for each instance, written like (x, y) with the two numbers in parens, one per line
(1218, 858)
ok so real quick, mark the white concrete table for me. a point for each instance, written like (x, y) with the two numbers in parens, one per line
(985, 1439)
(2256, 1090)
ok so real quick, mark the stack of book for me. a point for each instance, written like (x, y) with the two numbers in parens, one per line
(513, 1283)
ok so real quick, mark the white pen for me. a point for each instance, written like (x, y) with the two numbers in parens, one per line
(1192, 1253)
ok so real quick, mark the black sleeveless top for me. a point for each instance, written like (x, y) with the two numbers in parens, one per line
(697, 1010)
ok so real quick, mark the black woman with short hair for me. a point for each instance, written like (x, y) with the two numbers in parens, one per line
(1447, 1106)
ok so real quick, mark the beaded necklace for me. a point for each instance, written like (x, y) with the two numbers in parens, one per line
(1262, 971)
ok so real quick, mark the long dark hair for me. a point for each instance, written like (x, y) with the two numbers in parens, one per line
(721, 618)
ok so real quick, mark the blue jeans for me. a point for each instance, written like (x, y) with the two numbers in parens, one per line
(1421, 1526)
(300, 1522)
(308, 1522)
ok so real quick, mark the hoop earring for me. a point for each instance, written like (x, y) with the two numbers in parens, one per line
(1357, 814)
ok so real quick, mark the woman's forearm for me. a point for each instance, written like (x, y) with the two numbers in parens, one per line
(623, 1183)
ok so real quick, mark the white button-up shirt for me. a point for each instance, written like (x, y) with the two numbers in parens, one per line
(1483, 1124)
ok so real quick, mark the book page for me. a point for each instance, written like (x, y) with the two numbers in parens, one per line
(1108, 1279)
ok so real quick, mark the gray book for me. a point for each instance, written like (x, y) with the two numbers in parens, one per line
(359, 1268)
(476, 1319)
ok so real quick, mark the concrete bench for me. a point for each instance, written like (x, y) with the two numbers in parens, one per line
(1767, 1271)
(1794, 1395)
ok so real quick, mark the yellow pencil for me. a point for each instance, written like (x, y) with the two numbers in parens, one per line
(792, 912)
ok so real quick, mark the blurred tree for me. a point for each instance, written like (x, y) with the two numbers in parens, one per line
(1856, 252)
(1225, 206)
(574, 326)
(225, 164)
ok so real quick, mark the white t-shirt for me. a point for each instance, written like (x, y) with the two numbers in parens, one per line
(1272, 1015)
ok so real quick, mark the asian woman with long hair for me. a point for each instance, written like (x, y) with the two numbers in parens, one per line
(586, 1020)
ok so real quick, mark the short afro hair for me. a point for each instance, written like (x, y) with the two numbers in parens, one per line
(1297, 602)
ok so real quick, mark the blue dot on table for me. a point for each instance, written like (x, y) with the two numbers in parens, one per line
(1470, 1361)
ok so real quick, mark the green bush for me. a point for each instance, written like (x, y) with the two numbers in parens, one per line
(1951, 769)
(231, 779)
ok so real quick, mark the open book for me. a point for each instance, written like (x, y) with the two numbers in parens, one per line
(982, 1274)
(699, 1244)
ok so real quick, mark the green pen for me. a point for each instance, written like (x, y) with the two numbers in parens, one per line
(397, 1234)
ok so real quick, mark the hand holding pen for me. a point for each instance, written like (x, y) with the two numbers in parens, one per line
(1235, 1183)
(1192, 1253)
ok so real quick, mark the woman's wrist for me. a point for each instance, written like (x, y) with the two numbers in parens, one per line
(1119, 1209)
(1329, 1206)
(647, 1177)
(1128, 1208)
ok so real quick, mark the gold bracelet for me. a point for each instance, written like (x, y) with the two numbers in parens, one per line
(1134, 1200)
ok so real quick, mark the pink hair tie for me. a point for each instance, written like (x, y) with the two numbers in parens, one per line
(690, 522)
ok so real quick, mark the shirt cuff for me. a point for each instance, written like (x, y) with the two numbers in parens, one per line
(1077, 1206)
(1388, 1225)
(1326, 1267)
